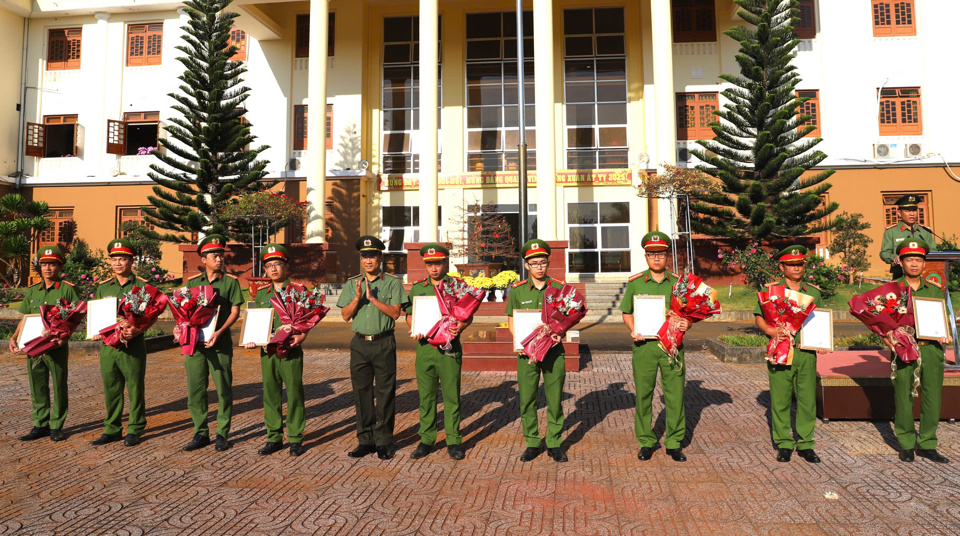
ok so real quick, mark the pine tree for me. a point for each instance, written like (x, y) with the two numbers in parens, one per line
(206, 160)
(760, 146)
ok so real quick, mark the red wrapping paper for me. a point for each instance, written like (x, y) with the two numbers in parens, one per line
(785, 310)
(562, 309)
(691, 299)
(138, 308)
(458, 303)
(191, 309)
(884, 310)
(56, 327)
(299, 311)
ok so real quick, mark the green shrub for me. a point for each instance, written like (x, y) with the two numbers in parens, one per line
(827, 278)
(85, 268)
(751, 340)
(757, 266)
(866, 339)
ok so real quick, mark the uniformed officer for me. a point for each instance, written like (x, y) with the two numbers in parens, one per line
(127, 365)
(648, 357)
(53, 364)
(215, 357)
(906, 229)
(277, 372)
(372, 302)
(912, 255)
(528, 294)
(798, 379)
(436, 367)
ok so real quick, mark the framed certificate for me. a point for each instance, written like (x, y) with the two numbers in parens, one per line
(257, 326)
(525, 321)
(930, 315)
(31, 327)
(207, 329)
(817, 331)
(649, 314)
(101, 314)
(426, 314)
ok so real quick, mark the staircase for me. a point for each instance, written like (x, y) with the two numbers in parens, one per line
(603, 301)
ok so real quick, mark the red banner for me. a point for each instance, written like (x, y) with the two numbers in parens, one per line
(509, 179)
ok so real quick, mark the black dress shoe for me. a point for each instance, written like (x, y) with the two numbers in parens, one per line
(645, 454)
(362, 450)
(677, 455)
(222, 444)
(106, 438)
(199, 441)
(36, 433)
(270, 448)
(132, 440)
(809, 455)
(455, 452)
(57, 435)
(783, 455)
(385, 452)
(932, 455)
(421, 452)
(557, 454)
(530, 454)
(296, 449)
(906, 455)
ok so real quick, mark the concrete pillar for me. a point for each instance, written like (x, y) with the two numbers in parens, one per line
(544, 77)
(316, 119)
(665, 99)
(429, 101)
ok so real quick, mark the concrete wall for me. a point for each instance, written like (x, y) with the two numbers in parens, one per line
(11, 63)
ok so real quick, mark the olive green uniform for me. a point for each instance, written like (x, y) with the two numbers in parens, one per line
(798, 379)
(931, 385)
(648, 357)
(51, 365)
(524, 295)
(121, 367)
(216, 362)
(373, 363)
(435, 367)
(895, 234)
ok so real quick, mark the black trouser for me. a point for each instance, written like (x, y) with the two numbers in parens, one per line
(373, 372)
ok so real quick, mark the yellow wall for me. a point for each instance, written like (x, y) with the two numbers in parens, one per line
(11, 43)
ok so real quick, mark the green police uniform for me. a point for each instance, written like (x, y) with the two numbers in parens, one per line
(51, 365)
(897, 233)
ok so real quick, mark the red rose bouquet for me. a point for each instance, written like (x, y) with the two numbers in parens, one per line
(691, 299)
(562, 309)
(786, 310)
(191, 309)
(298, 310)
(458, 303)
(138, 308)
(59, 322)
(888, 311)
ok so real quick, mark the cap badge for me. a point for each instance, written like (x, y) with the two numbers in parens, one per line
(431, 251)
(655, 238)
(215, 241)
(535, 246)
(366, 242)
(794, 251)
(913, 244)
(116, 244)
(48, 252)
(271, 249)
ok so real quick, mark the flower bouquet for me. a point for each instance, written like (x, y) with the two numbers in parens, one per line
(562, 309)
(298, 310)
(786, 310)
(59, 322)
(191, 309)
(691, 299)
(138, 308)
(458, 303)
(888, 311)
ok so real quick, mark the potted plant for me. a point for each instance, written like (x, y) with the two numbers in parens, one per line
(502, 283)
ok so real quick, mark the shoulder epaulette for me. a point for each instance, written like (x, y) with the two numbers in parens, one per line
(772, 284)
(892, 226)
(354, 277)
(64, 281)
(927, 228)
(934, 283)
(424, 281)
(140, 278)
(812, 285)
(391, 275)
(520, 283)
(675, 276)
(233, 276)
(561, 281)
(191, 278)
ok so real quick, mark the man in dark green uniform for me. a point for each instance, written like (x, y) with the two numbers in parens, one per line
(906, 229)
(798, 379)
(648, 357)
(53, 364)
(912, 256)
(279, 372)
(437, 367)
(528, 294)
(372, 302)
(215, 356)
(127, 365)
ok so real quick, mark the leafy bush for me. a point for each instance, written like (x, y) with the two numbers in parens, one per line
(278, 209)
(757, 266)
(950, 242)
(146, 253)
(827, 278)
(21, 223)
(85, 268)
(9, 295)
(850, 242)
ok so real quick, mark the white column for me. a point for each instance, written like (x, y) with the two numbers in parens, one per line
(316, 119)
(429, 100)
(665, 99)
(544, 77)
(94, 146)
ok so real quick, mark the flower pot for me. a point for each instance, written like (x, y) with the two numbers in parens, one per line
(499, 294)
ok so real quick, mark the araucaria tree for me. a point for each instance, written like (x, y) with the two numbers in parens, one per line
(205, 159)
(760, 150)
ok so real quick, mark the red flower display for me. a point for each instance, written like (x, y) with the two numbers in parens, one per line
(562, 309)
(691, 299)
(786, 310)
(59, 322)
(191, 309)
(138, 308)
(458, 303)
(298, 311)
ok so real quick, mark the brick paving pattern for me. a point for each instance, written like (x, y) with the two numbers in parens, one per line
(730, 485)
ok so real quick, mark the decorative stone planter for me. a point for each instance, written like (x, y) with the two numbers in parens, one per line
(475, 269)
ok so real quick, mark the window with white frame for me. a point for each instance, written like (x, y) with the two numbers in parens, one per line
(399, 224)
(599, 237)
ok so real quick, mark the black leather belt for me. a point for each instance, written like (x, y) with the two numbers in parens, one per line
(375, 337)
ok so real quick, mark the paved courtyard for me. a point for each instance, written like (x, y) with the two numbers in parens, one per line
(730, 485)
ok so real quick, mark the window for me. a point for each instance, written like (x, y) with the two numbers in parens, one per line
(144, 44)
(63, 49)
(130, 215)
(893, 17)
(595, 88)
(900, 112)
(694, 115)
(300, 127)
(811, 108)
(806, 25)
(63, 230)
(493, 130)
(136, 134)
(303, 35)
(238, 38)
(399, 224)
(56, 137)
(694, 21)
(599, 237)
(890, 211)
(401, 95)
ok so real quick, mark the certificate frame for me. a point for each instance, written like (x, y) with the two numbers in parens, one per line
(208, 327)
(101, 314)
(31, 327)
(655, 314)
(930, 318)
(257, 326)
(817, 331)
(426, 314)
(525, 321)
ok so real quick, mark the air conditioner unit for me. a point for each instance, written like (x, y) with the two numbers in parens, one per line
(294, 164)
(884, 150)
(913, 150)
(684, 155)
